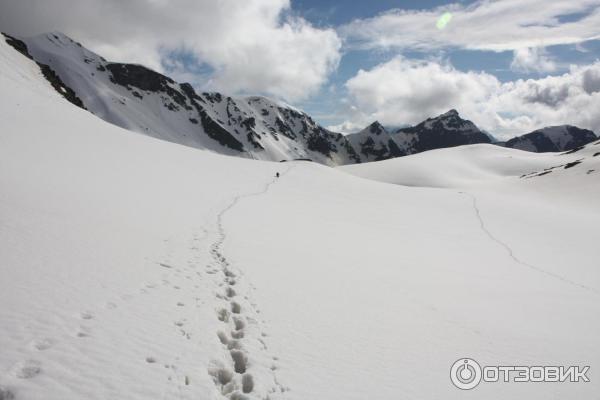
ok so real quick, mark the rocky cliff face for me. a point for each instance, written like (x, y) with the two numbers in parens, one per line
(446, 130)
(552, 139)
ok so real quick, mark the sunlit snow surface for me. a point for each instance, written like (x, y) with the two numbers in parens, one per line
(133, 268)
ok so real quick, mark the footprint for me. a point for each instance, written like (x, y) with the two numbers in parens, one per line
(247, 383)
(237, 334)
(150, 360)
(83, 332)
(238, 323)
(223, 337)
(240, 361)
(221, 375)
(27, 369)
(223, 315)
(180, 304)
(229, 274)
(229, 292)
(86, 315)
(42, 344)
(235, 308)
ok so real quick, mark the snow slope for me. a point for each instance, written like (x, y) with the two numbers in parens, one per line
(136, 268)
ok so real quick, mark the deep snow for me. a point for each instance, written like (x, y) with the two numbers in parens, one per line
(135, 268)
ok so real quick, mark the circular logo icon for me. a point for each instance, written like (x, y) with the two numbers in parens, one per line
(465, 373)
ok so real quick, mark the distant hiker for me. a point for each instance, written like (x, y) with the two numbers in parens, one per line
(277, 175)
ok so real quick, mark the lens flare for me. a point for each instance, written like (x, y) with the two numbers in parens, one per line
(443, 21)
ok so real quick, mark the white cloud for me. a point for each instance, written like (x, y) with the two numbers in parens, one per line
(404, 91)
(483, 25)
(533, 59)
(251, 45)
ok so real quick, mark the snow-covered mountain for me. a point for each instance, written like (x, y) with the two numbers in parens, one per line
(552, 139)
(375, 143)
(446, 130)
(139, 99)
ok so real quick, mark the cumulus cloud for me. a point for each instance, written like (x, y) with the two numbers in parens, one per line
(482, 25)
(404, 91)
(250, 46)
(533, 59)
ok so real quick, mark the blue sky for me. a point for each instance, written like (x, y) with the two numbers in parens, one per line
(510, 66)
(332, 13)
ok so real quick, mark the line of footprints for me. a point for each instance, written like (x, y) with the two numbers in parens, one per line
(235, 384)
(228, 382)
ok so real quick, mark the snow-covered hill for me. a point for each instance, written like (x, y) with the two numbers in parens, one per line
(135, 268)
(552, 139)
(486, 164)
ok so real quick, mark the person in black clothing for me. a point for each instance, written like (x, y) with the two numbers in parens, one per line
(277, 175)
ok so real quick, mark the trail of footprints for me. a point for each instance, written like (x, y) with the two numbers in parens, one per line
(234, 380)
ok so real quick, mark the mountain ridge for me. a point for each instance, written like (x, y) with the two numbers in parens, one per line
(138, 98)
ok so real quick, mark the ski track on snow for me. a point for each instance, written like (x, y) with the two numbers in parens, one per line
(511, 253)
(235, 384)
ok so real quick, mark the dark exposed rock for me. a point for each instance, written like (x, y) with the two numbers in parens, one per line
(572, 164)
(553, 139)
(575, 150)
(253, 138)
(446, 130)
(249, 123)
(317, 141)
(213, 97)
(133, 75)
(284, 128)
(48, 73)
(211, 127)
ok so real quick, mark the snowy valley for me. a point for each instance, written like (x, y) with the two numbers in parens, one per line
(150, 252)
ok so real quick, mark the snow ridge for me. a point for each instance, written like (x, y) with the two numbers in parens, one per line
(236, 315)
(512, 255)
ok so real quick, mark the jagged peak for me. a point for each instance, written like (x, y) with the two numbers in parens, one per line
(375, 124)
(375, 128)
(450, 113)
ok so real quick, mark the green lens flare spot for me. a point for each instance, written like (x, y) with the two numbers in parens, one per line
(443, 21)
